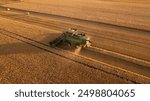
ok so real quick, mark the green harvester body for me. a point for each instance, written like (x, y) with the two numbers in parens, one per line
(73, 37)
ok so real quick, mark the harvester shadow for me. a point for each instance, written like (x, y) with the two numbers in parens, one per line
(26, 47)
(17, 48)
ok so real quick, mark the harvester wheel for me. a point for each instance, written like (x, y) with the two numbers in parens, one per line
(69, 44)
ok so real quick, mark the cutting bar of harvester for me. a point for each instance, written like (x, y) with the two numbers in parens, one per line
(57, 40)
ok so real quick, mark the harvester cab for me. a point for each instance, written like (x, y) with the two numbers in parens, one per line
(73, 38)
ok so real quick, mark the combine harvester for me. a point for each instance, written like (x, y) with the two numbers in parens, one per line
(73, 38)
